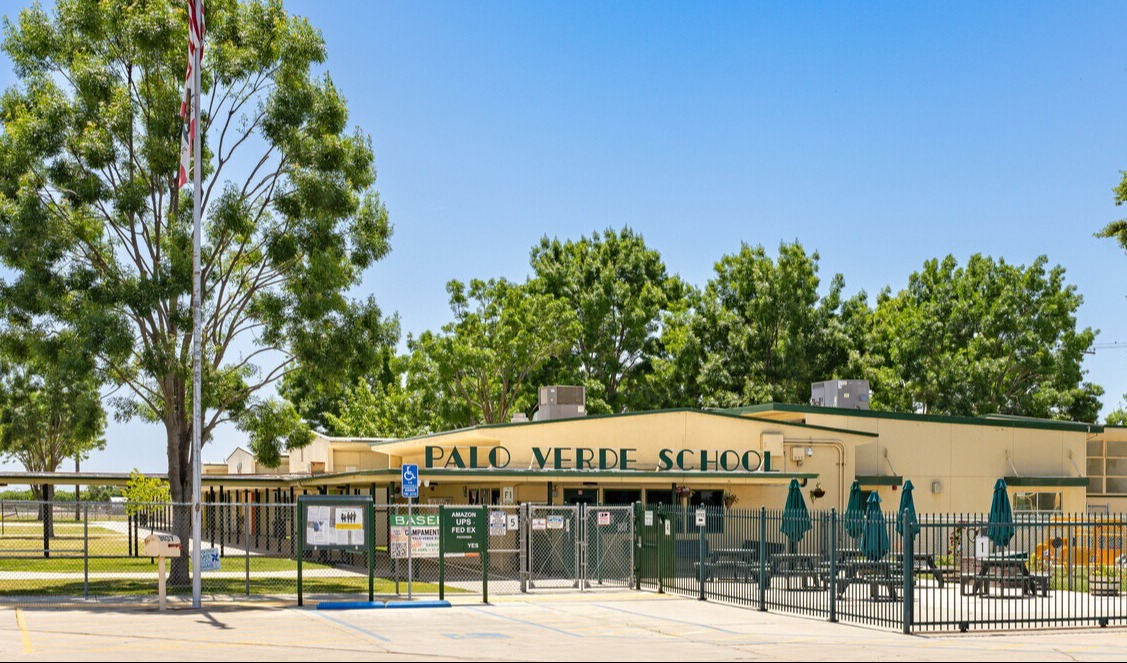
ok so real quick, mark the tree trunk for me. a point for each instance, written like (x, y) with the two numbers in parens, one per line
(47, 515)
(179, 432)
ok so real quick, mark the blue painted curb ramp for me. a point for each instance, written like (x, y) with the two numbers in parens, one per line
(418, 604)
(349, 605)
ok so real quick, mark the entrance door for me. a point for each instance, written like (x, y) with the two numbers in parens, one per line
(580, 495)
(621, 496)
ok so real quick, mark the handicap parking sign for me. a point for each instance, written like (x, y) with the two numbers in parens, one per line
(410, 480)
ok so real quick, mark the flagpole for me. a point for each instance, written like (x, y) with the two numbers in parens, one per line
(197, 304)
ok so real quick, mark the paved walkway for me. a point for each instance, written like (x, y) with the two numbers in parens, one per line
(605, 626)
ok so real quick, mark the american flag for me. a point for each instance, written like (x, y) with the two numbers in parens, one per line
(189, 112)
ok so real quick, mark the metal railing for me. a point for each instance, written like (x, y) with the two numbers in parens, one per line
(1053, 570)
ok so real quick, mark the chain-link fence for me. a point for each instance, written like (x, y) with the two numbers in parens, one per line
(249, 552)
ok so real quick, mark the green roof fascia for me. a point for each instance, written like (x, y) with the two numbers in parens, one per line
(985, 420)
(672, 475)
(878, 480)
(593, 417)
(336, 478)
(1047, 481)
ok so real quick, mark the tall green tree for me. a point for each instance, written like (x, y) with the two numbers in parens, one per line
(619, 289)
(476, 370)
(50, 407)
(383, 410)
(99, 236)
(988, 337)
(760, 331)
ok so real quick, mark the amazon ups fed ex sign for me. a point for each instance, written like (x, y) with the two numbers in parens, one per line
(463, 530)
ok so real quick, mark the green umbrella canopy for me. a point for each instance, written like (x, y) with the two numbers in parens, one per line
(1000, 527)
(874, 532)
(796, 517)
(907, 503)
(854, 511)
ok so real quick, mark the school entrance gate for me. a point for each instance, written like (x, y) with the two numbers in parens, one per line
(578, 546)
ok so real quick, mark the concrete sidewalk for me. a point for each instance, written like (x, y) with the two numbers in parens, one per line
(604, 626)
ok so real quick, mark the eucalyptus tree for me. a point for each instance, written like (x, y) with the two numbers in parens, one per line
(99, 236)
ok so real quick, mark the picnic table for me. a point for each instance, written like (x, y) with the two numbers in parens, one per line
(1002, 571)
(732, 563)
(921, 563)
(877, 574)
(802, 566)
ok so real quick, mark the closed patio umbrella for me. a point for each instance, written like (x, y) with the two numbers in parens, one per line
(796, 517)
(907, 503)
(874, 533)
(854, 517)
(1000, 528)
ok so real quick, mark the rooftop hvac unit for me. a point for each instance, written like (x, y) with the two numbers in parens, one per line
(848, 394)
(562, 396)
(558, 402)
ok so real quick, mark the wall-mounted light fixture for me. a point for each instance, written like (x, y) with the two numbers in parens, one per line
(937, 487)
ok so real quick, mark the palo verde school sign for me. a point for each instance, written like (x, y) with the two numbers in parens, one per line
(602, 459)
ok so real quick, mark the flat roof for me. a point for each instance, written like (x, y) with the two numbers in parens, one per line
(479, 434)
(1003, 420)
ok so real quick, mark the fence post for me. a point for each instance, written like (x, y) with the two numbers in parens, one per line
(700, 565)
(484, 538)
(392, 515)
(580, 517)
(299, 543)
(223, 531)
(441, 552)
(246, 532)
(522, 538)
(86, 552)
(833, 565)
(762, 559)
(909, 566)
(633, 550)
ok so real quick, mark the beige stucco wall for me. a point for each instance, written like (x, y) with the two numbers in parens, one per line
(645, 435)
(965, 459)
(240, 461)
(357, 460)
(319, 451)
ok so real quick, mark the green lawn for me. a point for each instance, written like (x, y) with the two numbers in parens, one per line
(234, 586)
(144, 564)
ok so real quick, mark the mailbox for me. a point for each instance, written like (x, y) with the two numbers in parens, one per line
(162, 545)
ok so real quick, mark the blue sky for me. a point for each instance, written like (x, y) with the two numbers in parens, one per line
(880, 134)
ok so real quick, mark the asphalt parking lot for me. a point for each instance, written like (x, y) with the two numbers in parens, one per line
(604, 626)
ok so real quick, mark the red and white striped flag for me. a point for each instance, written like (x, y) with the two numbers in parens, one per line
(189, 111)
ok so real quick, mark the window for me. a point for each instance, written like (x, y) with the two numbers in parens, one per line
(1107, 468)
(1037, 502)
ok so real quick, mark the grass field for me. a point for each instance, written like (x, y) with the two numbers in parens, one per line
(122, 564)
(234, 586)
